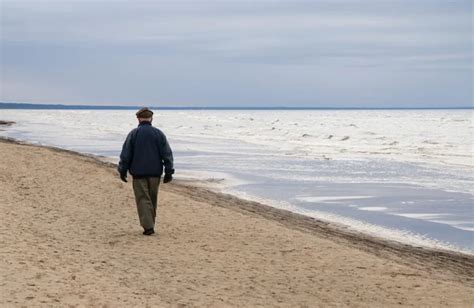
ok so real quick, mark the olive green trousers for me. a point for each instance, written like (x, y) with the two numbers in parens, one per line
(146, 197)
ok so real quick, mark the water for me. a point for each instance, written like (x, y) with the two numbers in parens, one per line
(403, 174)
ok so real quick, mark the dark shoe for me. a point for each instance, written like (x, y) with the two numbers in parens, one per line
(148, 231)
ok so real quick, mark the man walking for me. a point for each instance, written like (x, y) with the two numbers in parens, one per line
(144, 153)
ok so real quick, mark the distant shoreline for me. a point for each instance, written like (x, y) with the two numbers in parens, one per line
(97, 107)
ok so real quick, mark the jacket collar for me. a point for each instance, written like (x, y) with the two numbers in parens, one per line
(144, 123)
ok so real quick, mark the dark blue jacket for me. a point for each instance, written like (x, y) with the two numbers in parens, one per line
(145, 152)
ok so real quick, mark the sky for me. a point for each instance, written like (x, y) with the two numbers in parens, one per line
(318, 53)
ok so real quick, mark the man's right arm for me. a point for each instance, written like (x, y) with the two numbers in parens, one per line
(126, 155)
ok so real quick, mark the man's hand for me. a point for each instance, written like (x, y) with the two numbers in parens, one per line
(123, 177)
(168, 178)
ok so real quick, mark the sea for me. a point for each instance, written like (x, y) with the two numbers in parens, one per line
(404, 175)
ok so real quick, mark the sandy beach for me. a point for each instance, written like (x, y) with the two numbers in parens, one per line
(70, 237)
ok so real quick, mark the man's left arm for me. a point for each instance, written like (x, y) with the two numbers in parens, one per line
(167, 157)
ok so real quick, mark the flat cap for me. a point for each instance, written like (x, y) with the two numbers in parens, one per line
(145, 113)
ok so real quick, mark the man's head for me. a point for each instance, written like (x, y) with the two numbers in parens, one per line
(144, 114)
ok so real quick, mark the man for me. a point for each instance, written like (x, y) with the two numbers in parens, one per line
(144, 153)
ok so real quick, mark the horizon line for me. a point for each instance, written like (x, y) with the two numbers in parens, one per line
(15, 105)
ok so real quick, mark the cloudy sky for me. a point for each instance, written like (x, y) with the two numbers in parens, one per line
(335, 53)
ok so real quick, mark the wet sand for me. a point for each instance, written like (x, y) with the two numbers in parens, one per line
(70, 236)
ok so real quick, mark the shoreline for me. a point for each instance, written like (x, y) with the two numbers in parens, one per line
(71, 237)
(457, 262)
